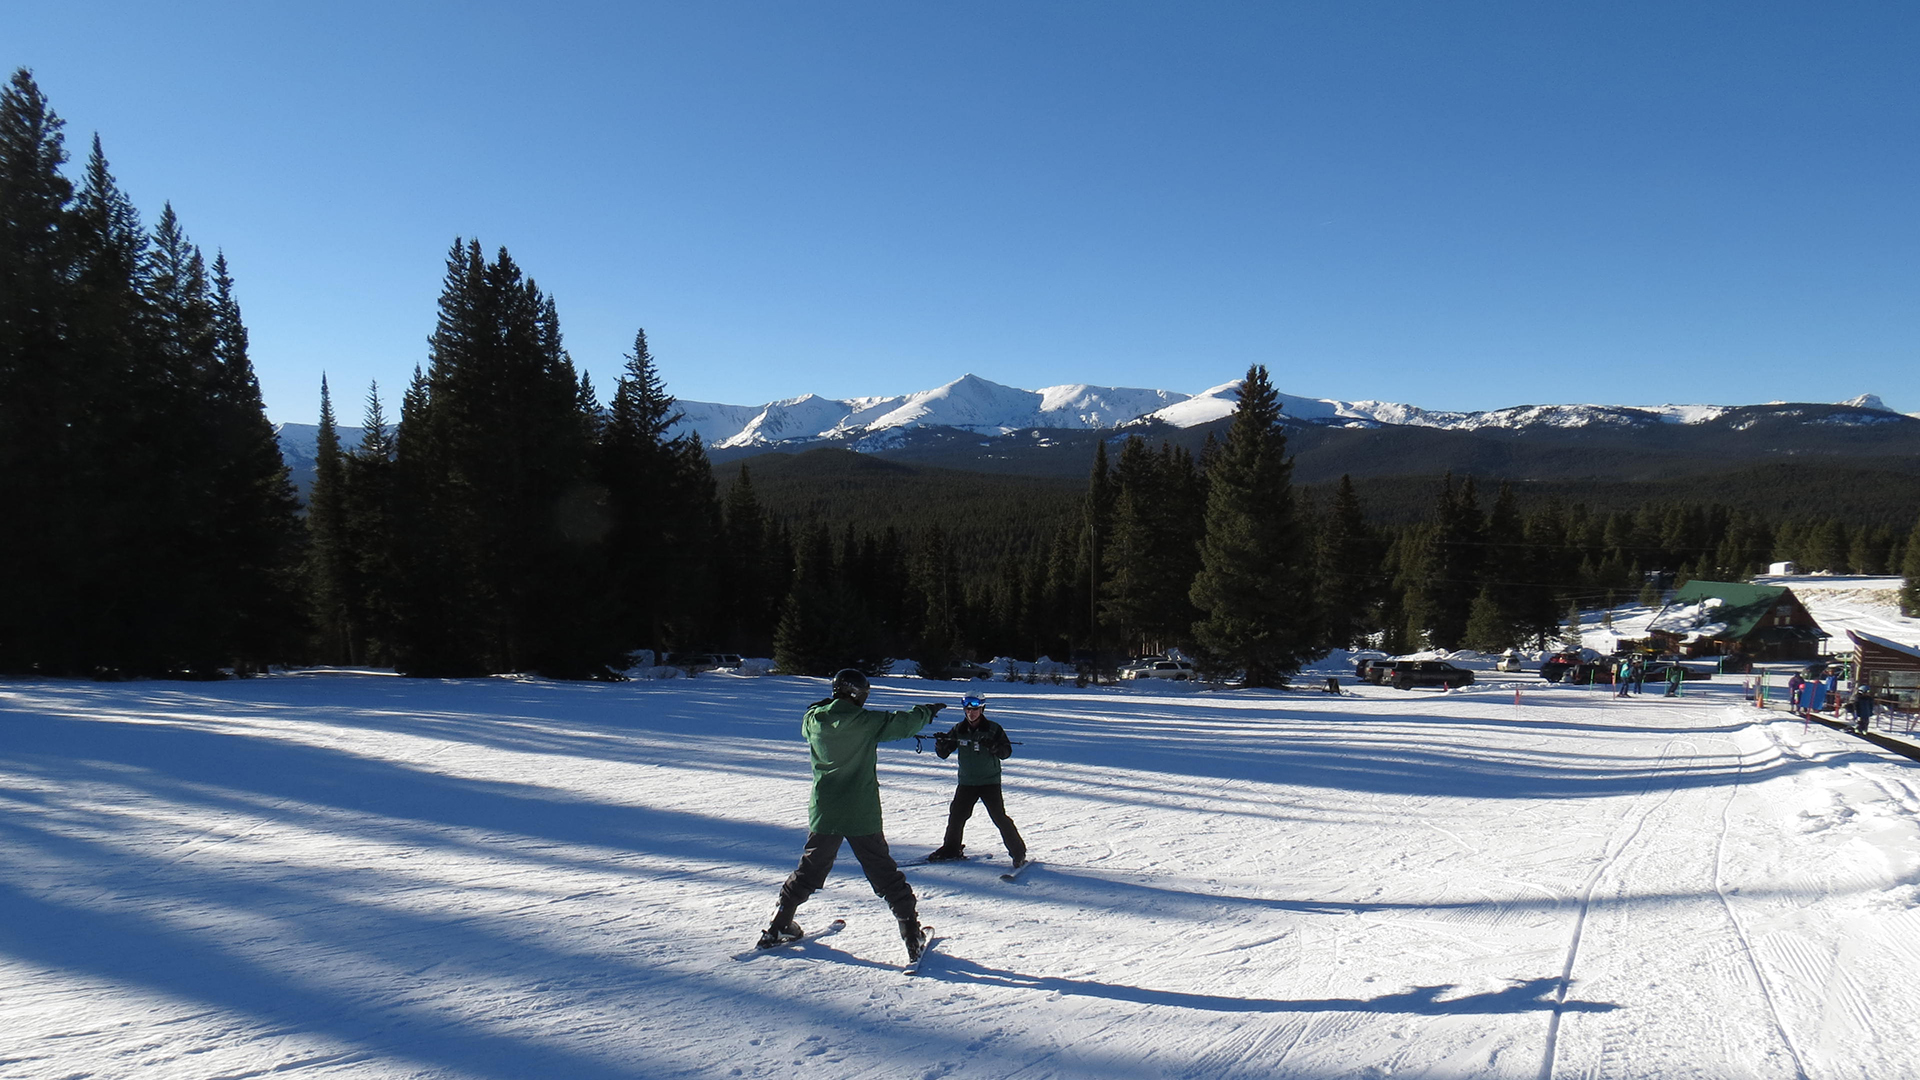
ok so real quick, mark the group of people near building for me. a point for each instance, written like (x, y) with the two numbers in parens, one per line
(1815, 693)
(843, 738)
(1630, 675)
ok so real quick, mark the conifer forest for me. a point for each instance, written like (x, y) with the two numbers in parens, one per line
(510, 519)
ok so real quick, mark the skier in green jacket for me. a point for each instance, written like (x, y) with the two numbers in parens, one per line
(843, 738)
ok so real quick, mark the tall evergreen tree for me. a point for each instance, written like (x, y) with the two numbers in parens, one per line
(328, 553)
(1152, 550)
(41, 394)
(665, 512)
(1095, 536)
(1910, 573)
(1255, 585)
(1488, 628)
(502, 555)
(437, 602)
(257, 546)
(370, 577)
(938, 641)
(1346, 570)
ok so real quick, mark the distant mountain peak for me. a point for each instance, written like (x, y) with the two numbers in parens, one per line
(981, 406)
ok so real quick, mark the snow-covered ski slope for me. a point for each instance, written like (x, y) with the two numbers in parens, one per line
(349, 875)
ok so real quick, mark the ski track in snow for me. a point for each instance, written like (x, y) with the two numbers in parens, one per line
(334, 875)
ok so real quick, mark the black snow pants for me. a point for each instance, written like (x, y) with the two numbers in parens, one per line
(961, 809)
(875, 859)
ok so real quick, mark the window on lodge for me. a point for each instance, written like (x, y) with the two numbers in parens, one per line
(1900, 688)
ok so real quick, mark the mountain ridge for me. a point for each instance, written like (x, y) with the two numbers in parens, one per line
(973, 423)
(982, 407)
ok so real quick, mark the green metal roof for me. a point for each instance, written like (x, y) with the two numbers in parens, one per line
(1741, 605)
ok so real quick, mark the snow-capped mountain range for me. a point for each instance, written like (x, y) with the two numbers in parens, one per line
(980, 407)
(976, 405)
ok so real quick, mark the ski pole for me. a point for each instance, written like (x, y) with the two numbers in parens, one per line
(974, 743)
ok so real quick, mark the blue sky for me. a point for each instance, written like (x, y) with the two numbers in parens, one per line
(1460, 205)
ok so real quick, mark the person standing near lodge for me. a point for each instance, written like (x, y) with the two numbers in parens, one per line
(982, 745)
(1862, 708)
(1675, 676)
(843, 738)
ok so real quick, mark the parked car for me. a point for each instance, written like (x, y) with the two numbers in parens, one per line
(1568, 667)
(1177, 670)
(1372, 669)
(1657, 671)
(697, 662)
(1510, 661)
(966, 669)
(1408, 674)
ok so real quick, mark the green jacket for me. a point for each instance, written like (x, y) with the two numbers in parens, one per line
(844, 740)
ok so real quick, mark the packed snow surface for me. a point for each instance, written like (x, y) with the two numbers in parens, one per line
(340, 874)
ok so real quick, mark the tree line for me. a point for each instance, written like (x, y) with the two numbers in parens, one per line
(509, 520)
(150, 527)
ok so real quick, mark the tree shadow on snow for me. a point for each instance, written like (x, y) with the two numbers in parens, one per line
(1531, 995)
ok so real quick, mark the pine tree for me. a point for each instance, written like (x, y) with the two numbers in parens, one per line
(1347, 568)
(1910, 571)
(1254, 586)
(822, 627)
(938, 641)
(436, 604)
(328, 553)
(1488, 629)
(1097, 524)
(151, 526)
(370, 575)
(665, 512)
(1151, 554)
(502, 549)
(40, 401)
(257, 547)
(751, 592)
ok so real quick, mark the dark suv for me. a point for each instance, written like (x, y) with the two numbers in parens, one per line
(1407, 674)
(1373, 669)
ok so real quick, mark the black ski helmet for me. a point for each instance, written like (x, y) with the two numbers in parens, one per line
(851, 683)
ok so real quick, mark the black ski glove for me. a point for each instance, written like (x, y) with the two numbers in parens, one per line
(943, 744)
(934, 707)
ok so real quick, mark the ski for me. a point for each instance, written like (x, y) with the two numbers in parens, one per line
(1014, 874)
(912, 967)
(833, 927)
(924, 861)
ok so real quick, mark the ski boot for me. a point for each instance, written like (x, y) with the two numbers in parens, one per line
(947, 853)
(914, 936)
(780, 931)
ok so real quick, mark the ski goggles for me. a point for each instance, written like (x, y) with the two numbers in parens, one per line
(973, 701)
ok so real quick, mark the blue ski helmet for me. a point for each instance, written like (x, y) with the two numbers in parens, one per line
(973, 701)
